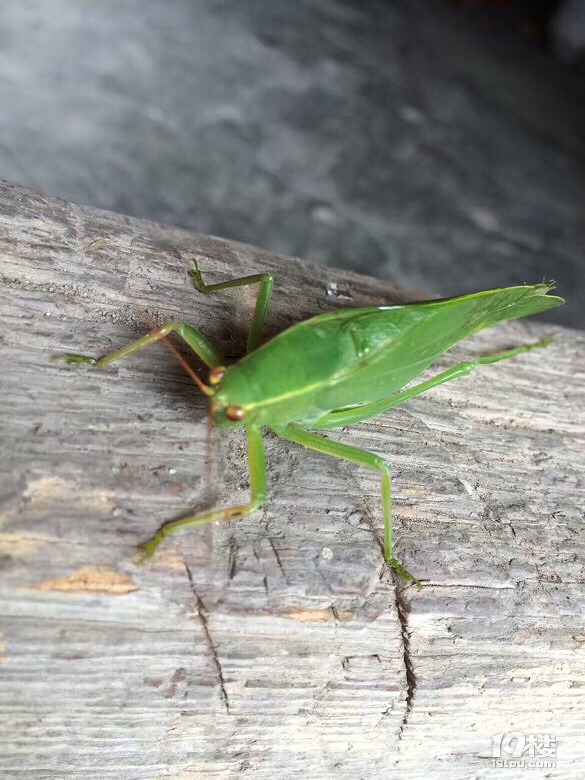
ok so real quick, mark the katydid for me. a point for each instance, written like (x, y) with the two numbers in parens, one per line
(332, 370)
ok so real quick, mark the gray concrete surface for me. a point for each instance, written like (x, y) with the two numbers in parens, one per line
(395, 138)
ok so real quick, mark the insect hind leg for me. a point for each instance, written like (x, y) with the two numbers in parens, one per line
(358, 413)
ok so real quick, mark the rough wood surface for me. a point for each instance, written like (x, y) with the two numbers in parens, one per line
(278, 645)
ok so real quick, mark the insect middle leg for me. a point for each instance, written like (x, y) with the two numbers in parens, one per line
(197, 341)
(257, 468)
(265, 280)
(364, 412)
(362, 458)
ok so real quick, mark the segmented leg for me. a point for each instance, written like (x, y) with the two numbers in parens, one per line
(265, 281)
(257, 468)
(197, 341)
(362, 458)
(359, 413)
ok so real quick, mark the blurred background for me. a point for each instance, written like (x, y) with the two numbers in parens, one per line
(439, 144)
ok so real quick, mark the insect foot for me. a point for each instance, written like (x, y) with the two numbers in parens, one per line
(195, 275)
(147, 549)
(73, 359)
(404, 573)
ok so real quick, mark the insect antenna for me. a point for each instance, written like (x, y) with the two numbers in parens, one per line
(169, 345)
(205, 389)
(209, 428)
(209, 447)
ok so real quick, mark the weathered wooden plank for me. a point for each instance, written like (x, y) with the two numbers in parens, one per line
(279, 643)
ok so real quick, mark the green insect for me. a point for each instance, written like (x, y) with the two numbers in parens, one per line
(333, 370)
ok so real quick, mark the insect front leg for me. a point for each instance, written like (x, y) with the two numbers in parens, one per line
(257, 469)
(265, 280)
(362, 458)
(196, 340)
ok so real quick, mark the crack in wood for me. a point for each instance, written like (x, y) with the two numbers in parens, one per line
(204, 618)
(403, 610)
(470, 585)
(278, 561)
(233, 557)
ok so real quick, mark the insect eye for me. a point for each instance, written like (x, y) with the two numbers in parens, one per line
(235, 413)
(216, 374)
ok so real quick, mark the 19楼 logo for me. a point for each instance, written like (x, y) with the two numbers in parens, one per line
(524, 751)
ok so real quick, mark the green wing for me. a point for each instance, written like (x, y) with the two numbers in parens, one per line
(396, 343)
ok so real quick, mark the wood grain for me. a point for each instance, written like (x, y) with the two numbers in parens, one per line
(279, 643)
